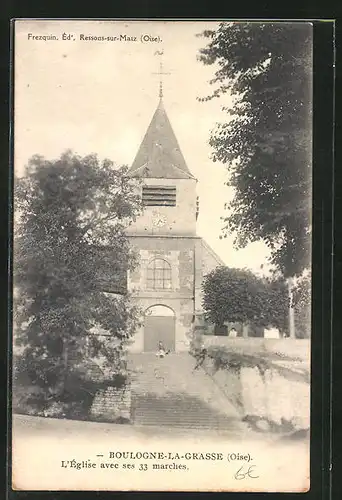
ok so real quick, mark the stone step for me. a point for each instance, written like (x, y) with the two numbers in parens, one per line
(182, 420)
(169, 392)
(207, 423)
(177, 411)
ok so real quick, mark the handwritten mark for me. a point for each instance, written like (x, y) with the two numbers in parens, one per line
(241, 474)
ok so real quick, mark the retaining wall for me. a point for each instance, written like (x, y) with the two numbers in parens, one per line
(279, 393)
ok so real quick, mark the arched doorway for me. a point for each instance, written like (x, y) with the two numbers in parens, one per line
(159, 326)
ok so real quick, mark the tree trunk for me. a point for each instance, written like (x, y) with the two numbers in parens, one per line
(245, 330)
(292, 331)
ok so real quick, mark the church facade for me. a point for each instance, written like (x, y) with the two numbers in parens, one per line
(172, 258)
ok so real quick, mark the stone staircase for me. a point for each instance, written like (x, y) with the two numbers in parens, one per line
(169, 392)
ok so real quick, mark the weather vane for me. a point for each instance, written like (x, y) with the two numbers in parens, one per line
(161, 72)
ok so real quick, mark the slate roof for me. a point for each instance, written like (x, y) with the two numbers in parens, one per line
(207, 247)
(159, 155)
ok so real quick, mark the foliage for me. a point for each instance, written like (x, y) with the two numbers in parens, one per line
(69, 212)
(302, 306)
(301, 292)
(226, 360)
(237, 295)
(265, 141)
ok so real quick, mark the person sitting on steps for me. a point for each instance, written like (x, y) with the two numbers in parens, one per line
(161, 350)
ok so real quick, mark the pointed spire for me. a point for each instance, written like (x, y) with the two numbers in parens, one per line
(159, 155)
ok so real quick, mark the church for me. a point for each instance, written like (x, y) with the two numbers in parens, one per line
(172, 258)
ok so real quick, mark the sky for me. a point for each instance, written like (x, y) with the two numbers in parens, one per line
(99, 97)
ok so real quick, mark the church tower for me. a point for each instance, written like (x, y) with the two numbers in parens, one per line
(167, 282)
(169, 188)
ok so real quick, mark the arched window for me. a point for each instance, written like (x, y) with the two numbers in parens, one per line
(159, 275)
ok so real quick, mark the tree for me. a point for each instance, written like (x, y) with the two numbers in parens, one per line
(237, 295)
(301, 299)
(69, 215)
(265, 141)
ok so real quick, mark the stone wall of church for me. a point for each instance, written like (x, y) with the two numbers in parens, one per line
(209, 261)
(180, 253)
(138, 278)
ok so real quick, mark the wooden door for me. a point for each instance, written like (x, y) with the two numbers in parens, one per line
(159, 329)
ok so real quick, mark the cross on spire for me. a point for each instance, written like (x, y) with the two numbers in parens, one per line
(161, 72)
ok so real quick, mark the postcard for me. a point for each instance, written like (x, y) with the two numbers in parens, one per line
(161, 255)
